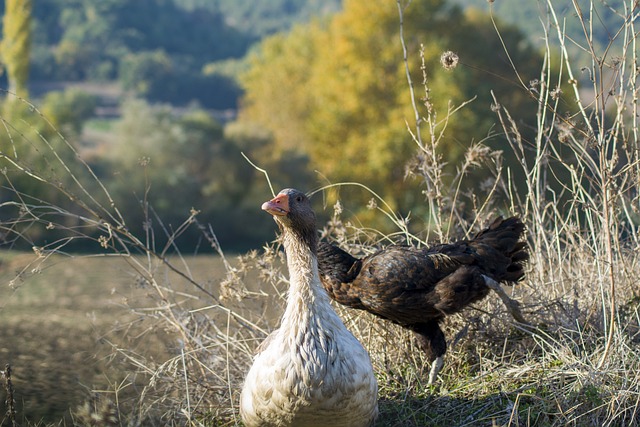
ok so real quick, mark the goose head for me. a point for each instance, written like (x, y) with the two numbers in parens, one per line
(292, 211)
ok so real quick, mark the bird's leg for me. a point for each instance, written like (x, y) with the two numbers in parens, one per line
(436, 366)
(432, 341)
(512, 305)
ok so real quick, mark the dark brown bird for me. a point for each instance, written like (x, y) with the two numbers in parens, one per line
(417, 287)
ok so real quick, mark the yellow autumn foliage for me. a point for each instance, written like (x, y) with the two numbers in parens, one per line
(337, 91)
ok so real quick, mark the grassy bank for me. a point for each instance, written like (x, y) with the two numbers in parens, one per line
(87, 337)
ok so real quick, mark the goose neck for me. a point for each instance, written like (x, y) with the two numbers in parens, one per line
(304, 282)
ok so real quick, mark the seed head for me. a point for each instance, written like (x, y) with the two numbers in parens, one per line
(449, 60)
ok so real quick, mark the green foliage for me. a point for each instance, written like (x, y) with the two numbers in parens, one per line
(37, 164)
(69, 110)
(16, 44)
(31, 144)
(145, 72)
(168, 164)
(605, 18)
(158, 169)
(83, 40)
(156, 76)
(96, 41)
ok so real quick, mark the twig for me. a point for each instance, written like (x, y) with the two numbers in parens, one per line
(259, 169)
(11, 402)
(407, 71)
(187, 410)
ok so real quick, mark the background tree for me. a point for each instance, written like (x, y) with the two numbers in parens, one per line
(526, 15)
(338, 89)
(39, 164)
(167, 164)
(16, 44)
(69, 110)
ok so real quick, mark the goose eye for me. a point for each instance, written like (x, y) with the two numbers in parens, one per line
(299, 199)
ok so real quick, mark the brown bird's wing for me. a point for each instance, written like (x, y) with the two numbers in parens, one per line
(408, 285)
(338, 269)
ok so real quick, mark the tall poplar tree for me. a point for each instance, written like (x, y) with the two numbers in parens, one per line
(16, 44)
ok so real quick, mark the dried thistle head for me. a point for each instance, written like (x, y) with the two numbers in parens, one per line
(449, 60)
(269, 263)
(565, 128)
(556, 93)
(335, 229)
(534, 83)
(337, 209)
(476, 155)
(232, 287)
(615, 62)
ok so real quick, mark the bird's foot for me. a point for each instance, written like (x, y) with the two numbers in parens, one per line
(436, 366)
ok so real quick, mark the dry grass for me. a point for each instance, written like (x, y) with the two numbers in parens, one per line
(579, 365)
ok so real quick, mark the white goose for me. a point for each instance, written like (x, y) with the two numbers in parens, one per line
(311, 371)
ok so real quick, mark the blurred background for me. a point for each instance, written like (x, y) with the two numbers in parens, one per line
(161, 97)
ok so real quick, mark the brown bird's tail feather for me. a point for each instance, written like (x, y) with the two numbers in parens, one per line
(504, 236)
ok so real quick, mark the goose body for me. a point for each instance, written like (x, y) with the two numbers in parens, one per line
(311, 371)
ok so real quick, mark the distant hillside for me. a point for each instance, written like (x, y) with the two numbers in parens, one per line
(259, 18)
(533, 16)
(184, 51)
(169, 51)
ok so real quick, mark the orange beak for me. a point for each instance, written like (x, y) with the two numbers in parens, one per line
(279, 205)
